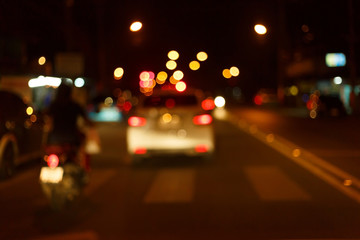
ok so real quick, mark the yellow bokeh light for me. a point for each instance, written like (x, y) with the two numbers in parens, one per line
(162, 76)
(166, 118)
(226, 73)
(234, 71)
(202, 56)
(260, 29)
(135, 26)
(173, 55)
(178, 75)
(42, 60)
(29, 111)
(194, 65)
(296, 152)
(171, 64)
(294, 90)
(118, 73)
(108, 101)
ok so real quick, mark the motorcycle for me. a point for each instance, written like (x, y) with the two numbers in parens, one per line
(62, 175)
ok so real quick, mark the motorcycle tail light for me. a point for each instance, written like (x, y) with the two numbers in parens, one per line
(204, 119)
(136, 121)
(53, 161)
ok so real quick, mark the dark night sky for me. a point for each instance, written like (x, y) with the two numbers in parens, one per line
(224, 29)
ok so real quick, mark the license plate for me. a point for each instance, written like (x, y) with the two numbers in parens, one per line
(51, 175)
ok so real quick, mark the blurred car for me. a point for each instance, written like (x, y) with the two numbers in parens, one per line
(20, 133)
(266, 96)
(170, 123)
(331, 106)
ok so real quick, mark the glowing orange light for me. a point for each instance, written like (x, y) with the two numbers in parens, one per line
(226, 73)
(194, 65)
(42, 60)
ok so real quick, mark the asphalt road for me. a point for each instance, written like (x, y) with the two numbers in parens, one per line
(261, 184)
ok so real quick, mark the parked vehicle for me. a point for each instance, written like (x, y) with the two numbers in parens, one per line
(21, 132)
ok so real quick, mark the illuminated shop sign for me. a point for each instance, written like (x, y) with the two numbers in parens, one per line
(335, 60)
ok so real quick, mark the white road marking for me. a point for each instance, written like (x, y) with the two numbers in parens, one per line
(271, 184)
(172, 186)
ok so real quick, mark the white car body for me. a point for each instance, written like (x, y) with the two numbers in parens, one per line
(155, 129)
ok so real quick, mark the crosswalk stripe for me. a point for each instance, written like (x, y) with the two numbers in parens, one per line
(271, 184)
(172, 186)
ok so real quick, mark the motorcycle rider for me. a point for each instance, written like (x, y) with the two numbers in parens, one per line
(63, 122)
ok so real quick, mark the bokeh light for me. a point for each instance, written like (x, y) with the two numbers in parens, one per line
(171, 64)
(178, 75)
(42, 60)
(294, 91)
(180, 86)
(202, 56)
(29, 111)
(161, 77)
(135, 26)
(219, 101)
(260, 29)
(118, 73)
(234, 71)
(173, 80)
(144, 76)
(173, 55)
(79, 82)
(194, 65)
(226, 73)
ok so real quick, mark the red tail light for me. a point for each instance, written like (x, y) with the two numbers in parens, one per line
(201, 148)
(136, 121)
(203, 119)
(208, 104)
(140, 151)
(53, 160)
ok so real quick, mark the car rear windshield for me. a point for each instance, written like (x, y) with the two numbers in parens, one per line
(170, 101)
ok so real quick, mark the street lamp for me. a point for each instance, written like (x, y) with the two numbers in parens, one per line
(260, 29)
(135, 26)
